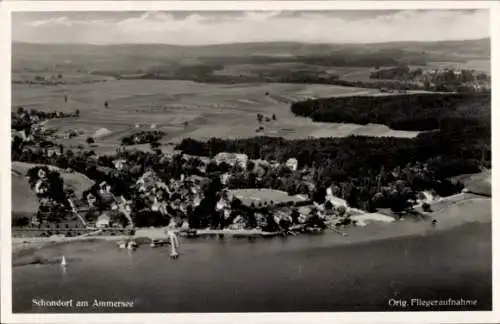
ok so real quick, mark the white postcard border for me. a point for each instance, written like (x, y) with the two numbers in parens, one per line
(376, 317)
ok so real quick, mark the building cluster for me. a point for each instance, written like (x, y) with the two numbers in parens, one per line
(188, 197)
(466, 78)
(175, 202)
(441, 79)
(156, 201)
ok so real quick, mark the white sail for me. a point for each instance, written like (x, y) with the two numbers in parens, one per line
(63, 261)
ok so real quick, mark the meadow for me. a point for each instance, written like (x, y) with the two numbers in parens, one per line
(255, 70)
(263, 196)
(187, 109)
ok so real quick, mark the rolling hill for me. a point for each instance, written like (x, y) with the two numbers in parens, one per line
(24, 200)
(131, 58)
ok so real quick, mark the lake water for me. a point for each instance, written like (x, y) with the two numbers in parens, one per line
(303, 273)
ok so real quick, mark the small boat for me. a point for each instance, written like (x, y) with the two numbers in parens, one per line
(122, 244)
(63, 261)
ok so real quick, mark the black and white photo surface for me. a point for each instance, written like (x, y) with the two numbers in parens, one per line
(251, 161)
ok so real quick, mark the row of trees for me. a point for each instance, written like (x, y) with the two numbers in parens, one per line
(291, 77)
(447, 80)
(360, 167)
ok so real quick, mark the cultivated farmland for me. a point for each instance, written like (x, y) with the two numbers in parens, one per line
(187, 109)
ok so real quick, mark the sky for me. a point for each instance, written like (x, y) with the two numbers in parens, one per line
(210, 27)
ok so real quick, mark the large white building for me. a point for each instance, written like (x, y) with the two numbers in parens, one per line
(292, 164)
(232, 159)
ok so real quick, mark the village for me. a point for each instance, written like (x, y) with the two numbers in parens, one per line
(436, 79)
(247, 159)
(196, 195)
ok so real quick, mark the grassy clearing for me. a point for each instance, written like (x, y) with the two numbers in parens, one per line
(372, 130)
(23, 198)
(467, 210)
(479, 183)
(24, 201)
(247, 196)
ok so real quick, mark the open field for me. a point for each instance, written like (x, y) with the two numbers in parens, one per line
(247, 196)
(344, 72)
(73, 180)
(24, 201)
(479, 183)
(210, 110)
(477, 208)
(57, 78)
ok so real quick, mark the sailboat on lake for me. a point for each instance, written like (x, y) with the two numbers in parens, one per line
(174, 244)
(63, 262)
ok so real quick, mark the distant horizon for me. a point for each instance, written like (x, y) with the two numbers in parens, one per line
(250, 42)
(200, 28)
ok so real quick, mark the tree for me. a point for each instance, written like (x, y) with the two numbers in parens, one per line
(20, 221)
(260, 117)
(341, 210)
(426, 207)
(274, 116)
(106, 104)
(90, 140)
(352, 197)
(319, 195)
(77, 113)
(250, 166)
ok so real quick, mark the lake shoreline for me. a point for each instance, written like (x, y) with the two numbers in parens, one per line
(38, 251)
(449, 212)
(310, 267)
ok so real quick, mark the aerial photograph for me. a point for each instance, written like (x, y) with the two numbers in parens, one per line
(251, 161)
